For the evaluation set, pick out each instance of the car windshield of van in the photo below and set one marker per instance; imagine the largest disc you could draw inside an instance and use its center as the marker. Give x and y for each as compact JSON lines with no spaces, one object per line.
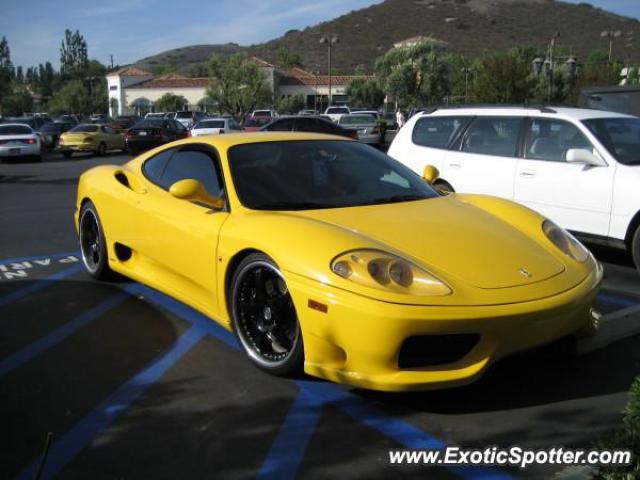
{"x":315,"y":174}
{"x":620,"y":136}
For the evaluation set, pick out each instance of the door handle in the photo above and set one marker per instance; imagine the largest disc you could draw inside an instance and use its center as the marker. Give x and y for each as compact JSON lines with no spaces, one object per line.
{"x":527,"y":173}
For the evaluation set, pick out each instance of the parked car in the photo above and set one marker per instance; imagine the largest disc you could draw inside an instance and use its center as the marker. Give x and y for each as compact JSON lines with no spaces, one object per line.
{"x":98,"y":118}
{"x":155,"y":115}
{"x":152,"y":132}
{"x":50,"y":133}
{"x":264,"y":113}
{"x":336,"y":112}
{"x":308,"y":112}
{"x":308,"y":124}
{"x":304,"y":236}
{"x":35,"y":122}
{"x":365,"y":125}
{"x":70,"y":118}
{"x":579,"y":167}
{"x":170,"y":115}
{"x":621,"y":99}
{"x":90,"y":137}
{"x":253,"y":124}
{"x":390,"y":120}
{"x":124,"y":122}
{"x":214,"y":126}
{"x":187,"y":118}
{"x":19,"y":140}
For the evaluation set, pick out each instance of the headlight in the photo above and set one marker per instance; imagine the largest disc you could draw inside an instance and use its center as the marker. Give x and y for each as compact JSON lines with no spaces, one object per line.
{"x":565,"y":241}
{"x":384,"y":271}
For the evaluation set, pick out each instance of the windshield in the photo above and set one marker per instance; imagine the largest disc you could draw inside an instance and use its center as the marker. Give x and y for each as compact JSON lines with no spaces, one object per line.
{"x":85,"y":128}
{"x":184,"y":115}
{"x":337,"y":110}
{"x":311,"y":174}
{"x":15,"y":130}
{"x":620,"y":136}
{"x":262,"y":113}
{"x":210,"y":124}
{"x":357,"y":120}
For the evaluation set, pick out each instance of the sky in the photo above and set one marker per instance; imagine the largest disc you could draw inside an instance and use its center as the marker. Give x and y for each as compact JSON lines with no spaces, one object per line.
{"x":133,"y":29}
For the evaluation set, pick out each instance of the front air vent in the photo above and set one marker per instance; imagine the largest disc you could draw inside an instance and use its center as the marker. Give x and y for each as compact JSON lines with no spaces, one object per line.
{"x":122,"y":178}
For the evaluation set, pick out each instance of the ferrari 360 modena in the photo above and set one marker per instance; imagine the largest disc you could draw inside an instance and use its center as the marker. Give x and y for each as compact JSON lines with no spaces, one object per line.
{"x":325,"y":255}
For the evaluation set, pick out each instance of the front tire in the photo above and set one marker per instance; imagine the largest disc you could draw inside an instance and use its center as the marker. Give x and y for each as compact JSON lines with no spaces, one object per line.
{"x":93,"y":245}
{"x":264,"y":317}
{"x":635,"y":248}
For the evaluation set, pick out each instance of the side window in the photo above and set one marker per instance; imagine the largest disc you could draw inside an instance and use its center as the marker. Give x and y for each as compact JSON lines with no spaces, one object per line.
{"x":109,"y":130}
{"x":285,"y":125}
{"x":549,"y":140}
{"x":437,"y":132}
{"x":178,"y":126}
{"x":154,"y":167}
{"x":497,"y":136}
{"x":233,"y":125}
{"x":305,"y":125}
{"x":194,"y":164}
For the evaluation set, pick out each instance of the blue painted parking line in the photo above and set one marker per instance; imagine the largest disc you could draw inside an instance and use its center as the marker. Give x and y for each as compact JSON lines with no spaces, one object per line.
{"x":39,"y":284}
{"x":290,"y":445}
{"x":59,"y":334}
{"x":616,"y":300}
{"x":82,"y":433}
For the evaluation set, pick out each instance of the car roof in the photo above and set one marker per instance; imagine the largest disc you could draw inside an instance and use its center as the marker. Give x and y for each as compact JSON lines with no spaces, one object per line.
{"x":542,"y":111}
{"x":15,"y":124}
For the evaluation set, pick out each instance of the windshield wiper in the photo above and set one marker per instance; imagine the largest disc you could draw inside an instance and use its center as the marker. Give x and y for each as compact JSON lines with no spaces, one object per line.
{"x":292,"y":206}
{"x":395,"y":199}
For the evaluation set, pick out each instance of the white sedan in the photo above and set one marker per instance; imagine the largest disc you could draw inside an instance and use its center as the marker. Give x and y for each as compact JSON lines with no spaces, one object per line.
{"x":19,"y":140}
{"x":214,"y":126}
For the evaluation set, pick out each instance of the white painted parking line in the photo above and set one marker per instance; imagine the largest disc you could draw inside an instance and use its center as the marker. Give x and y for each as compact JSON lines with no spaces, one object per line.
{"x":614,"y":327}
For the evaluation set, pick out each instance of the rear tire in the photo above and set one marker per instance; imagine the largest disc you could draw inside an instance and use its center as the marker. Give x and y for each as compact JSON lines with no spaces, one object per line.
{"x":635,"y":248}
{"x":264,"y":317}
{"x":93,"y":245}
{"x":102,"y":150}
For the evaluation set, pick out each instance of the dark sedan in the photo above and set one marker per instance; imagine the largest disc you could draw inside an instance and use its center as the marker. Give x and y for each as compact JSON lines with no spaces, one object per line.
{"x":152,"y":132}
{"x":308,"y":123}
{"x":50,"y":132}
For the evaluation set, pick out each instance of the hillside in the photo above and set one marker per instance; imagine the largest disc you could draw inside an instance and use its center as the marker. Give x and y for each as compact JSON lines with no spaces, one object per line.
{"x":470,"y":27}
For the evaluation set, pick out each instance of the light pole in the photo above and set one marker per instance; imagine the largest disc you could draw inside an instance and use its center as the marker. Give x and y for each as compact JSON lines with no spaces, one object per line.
{"x":610,"y":34}
{"x":330,"y":40}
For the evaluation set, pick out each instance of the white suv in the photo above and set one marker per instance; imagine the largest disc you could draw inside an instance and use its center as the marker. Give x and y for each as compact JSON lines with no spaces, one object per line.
{"x":579,"y":167}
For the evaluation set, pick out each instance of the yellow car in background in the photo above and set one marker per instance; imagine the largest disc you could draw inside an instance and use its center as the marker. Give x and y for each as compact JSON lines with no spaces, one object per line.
{"x":90,"y":137}
{"x":323,"y":253}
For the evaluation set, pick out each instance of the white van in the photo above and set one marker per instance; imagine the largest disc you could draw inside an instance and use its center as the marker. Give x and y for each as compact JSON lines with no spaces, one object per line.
{"x":579,"y":167}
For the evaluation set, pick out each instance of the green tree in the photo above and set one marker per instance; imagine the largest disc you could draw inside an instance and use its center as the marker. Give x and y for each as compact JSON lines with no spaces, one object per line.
{"x":6,"y":67}
{"x":237,"y":85}
{"x":18,"y":101}
{"x":502,"y":78}
{"x":74,"y":56}
{"x":417,"y":75}
{"x":291,"y":104}
{"x":365,"y":92}
{"x":285,"y":58}
{"x":170,"y":103}
{"x":74,"y":97}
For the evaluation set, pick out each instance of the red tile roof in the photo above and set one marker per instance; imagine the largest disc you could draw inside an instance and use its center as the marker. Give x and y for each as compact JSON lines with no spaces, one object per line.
{"x":131,"y":72}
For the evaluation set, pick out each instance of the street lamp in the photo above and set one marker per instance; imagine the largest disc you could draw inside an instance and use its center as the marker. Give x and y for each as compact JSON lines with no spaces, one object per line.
{"x":610,"y":34}
{"x":329,"y":40}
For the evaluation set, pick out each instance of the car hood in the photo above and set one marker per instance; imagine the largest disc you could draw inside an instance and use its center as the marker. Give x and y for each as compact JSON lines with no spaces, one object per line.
{"x":452,"y":238}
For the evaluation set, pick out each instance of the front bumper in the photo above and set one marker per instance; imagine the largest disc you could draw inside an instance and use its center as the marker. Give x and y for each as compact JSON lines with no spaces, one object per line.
{"x":358,"y":340}
{"x":23,"y":150}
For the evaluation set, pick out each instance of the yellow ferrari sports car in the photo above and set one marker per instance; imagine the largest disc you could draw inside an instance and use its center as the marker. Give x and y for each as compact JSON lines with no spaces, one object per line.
{"x":323,"y":253}
{"x":89,"y":137}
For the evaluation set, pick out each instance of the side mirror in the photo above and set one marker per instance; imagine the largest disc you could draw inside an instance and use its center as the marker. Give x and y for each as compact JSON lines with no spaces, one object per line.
{"x":583,"y":155}
{"x":430,"y":174}
{"x":194,"y":191}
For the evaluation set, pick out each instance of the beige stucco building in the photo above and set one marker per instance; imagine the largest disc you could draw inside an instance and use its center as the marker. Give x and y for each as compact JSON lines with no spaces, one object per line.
{"x":134,"y":91}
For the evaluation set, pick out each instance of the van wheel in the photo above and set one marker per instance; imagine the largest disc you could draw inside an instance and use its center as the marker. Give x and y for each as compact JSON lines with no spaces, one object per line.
{"x":635,"y":248}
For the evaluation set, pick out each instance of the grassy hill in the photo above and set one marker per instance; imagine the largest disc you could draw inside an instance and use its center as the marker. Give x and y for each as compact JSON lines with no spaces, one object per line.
{"x":470,"y":27}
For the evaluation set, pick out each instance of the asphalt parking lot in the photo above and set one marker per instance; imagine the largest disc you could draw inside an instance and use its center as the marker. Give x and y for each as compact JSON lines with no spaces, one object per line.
{"x":132,"y":384}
